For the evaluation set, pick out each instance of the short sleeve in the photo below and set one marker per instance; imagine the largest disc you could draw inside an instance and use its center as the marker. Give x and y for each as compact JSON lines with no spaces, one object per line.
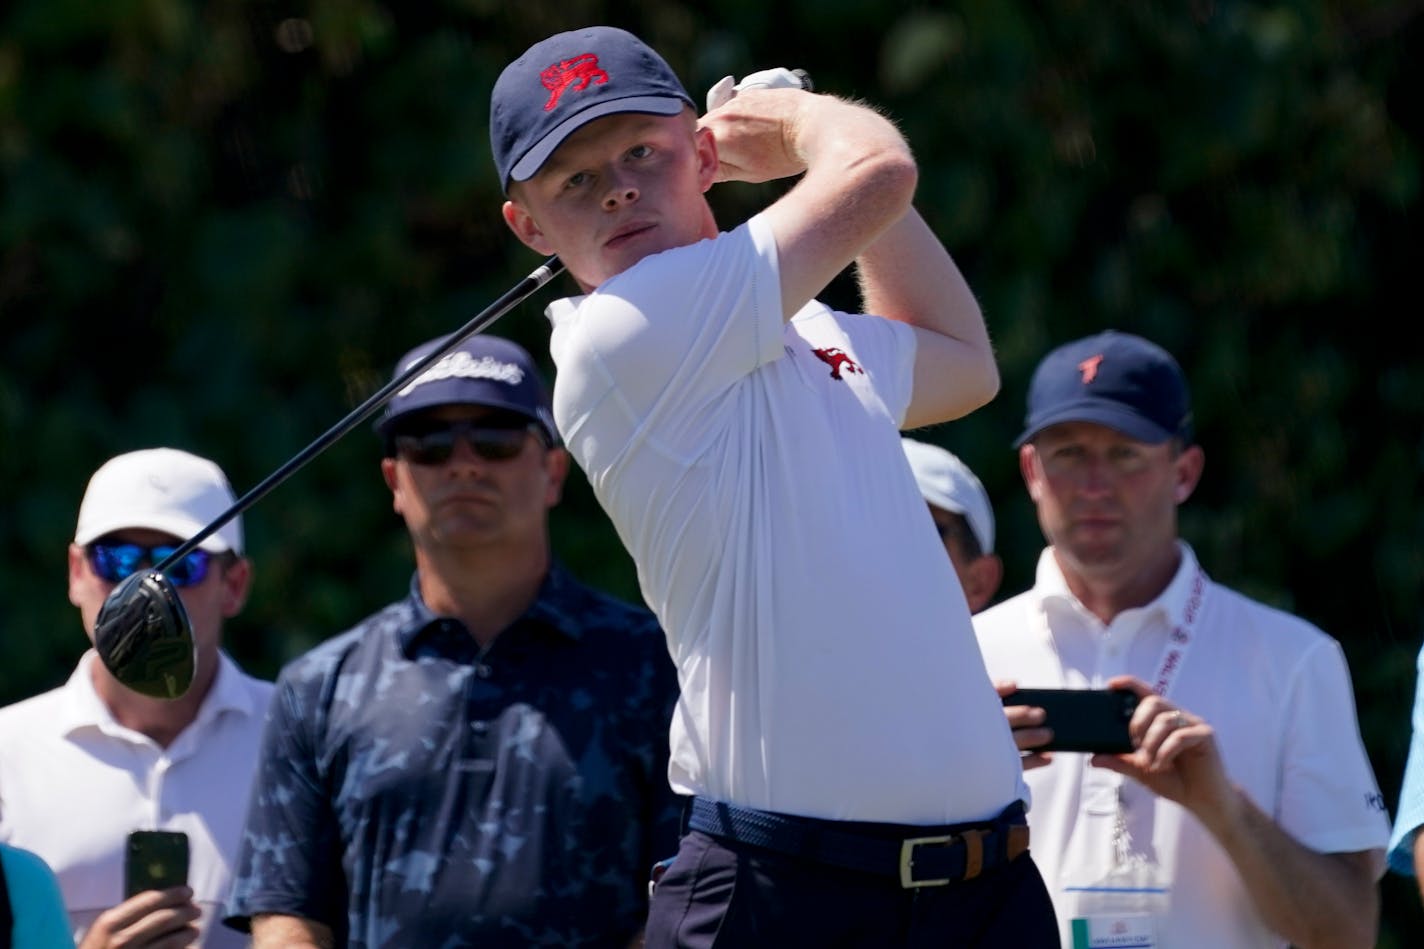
{"x":886,"y":349}
{"x":668,"y":338}
{"x":289,"y":862}
{"x":1329,"y":798}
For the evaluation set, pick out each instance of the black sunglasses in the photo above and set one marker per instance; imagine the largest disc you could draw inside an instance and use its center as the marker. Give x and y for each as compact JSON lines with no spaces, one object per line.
{"x":115,"y":561}
{"x":435,"y":445}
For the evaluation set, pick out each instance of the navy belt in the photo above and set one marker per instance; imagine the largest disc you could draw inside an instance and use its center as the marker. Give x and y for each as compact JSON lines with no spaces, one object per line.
{"x":916,"y":856}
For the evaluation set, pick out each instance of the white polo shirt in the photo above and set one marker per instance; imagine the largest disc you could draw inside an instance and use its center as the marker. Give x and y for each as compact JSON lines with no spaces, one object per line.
{"x":1275,"y":689}
{"x":74,"y":782}
{"x":753,"y":469}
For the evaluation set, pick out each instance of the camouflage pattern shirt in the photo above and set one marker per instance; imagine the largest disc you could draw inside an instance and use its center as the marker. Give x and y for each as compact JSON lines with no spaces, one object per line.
{"x":415,"y":791}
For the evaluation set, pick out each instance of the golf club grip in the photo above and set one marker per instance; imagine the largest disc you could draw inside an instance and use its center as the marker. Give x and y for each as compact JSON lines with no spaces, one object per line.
{"x":486,"y":318}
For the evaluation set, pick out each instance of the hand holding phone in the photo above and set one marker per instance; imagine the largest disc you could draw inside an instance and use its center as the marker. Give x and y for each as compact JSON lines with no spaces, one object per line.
{"x":1087,"y":720}
{"x":155,"y":860}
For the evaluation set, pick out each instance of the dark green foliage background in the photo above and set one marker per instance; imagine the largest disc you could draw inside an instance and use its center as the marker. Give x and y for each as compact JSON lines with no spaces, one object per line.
{"x":222,"y":221}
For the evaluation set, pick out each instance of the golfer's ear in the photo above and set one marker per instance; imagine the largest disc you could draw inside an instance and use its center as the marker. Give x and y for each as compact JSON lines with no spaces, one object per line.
{"x":522,"y":223}
{"x":707,"y":163}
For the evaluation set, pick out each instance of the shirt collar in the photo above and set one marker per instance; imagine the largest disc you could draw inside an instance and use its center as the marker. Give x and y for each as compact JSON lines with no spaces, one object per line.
{"x":229,"y":692}
{"x":548,"y":610}
{"x":1051,"y":588}
{"x":83,"y":708}
{"x":1175,"y":599}
{"x":563,"y":309}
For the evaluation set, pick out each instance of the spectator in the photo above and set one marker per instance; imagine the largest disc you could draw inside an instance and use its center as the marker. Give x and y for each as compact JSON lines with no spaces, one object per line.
{"x":744,"y":440}
{"x":483,"y":762}
{"x":32,"y":912}
{"x":963,"y":518}
{"x":90,"y":761}
{"x":1406,"y":844}
{"x":1249,"y":804}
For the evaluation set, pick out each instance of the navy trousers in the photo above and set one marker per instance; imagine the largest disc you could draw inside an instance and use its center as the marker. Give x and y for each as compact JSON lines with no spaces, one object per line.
{"x":731,"y":896}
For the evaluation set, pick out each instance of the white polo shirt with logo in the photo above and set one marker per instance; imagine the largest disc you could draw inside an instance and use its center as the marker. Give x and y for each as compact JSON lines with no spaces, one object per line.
{"x":1276,"y":691}
{"x":753,"y":469}
{"x":74,"y":782}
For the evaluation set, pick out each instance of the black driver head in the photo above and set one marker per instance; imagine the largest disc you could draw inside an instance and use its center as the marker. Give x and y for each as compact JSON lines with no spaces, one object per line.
{"x":143,"y":636}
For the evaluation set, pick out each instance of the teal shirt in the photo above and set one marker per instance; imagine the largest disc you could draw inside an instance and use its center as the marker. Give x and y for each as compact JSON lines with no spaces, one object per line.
{"x":40,"y":918}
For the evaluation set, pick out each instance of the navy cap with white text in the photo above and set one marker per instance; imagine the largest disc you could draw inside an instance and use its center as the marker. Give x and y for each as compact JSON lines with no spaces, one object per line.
{"x":483,"y":370}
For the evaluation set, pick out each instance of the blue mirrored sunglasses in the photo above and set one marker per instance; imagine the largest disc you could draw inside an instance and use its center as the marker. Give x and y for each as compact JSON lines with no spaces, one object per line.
{"x":114,"y":561}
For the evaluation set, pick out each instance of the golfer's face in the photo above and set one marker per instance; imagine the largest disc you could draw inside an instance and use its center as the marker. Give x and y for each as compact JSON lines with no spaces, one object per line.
{"x":617,"y":190}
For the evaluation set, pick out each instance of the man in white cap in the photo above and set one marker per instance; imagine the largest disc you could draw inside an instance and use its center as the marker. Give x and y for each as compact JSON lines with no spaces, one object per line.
{"x":963,"y":518}
{"x":89,"y":762}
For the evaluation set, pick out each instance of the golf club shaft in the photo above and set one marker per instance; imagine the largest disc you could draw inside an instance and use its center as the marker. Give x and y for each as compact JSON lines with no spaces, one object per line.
{"x":482,"y":321}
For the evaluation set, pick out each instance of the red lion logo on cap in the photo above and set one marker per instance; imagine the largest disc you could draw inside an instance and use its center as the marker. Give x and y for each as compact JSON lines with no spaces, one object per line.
{"x":1089,"y":368}
{"x":576,"y":74}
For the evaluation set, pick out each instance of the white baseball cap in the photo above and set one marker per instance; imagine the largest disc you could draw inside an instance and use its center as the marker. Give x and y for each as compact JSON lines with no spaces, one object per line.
{"x":947,"y":482}
{"x":161,"y":489}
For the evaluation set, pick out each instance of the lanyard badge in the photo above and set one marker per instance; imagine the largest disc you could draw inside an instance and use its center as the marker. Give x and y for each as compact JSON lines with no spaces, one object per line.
{"x":1123,"y":908}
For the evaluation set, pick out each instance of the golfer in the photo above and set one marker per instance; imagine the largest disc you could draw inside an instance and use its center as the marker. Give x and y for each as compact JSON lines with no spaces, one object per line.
{"x":853,"y":777}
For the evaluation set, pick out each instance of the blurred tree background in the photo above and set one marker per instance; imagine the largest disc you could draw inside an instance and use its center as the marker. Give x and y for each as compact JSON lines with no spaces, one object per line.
{"x":223,"y":220}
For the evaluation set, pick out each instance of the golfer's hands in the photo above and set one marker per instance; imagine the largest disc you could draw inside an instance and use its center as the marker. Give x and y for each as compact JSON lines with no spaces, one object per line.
{"x":753,"y":122}
{"x":779,"y":77}
{"x":1176,"y":755}
{"x":1030,"y":732}
{"x":153,"y":919}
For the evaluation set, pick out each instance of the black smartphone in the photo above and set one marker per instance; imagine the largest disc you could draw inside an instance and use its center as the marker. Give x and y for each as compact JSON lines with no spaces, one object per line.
{"x":1093,"y":720}
{"x":155,"y":860}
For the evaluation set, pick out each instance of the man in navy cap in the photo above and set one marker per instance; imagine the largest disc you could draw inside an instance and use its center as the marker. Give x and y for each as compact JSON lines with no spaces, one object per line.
{"x":483,"y":762}
{"x":1247,"y":815}
{"x":854,"y":781}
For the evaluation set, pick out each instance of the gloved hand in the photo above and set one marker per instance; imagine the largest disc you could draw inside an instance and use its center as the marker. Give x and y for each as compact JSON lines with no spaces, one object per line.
{"x":778,"y":78}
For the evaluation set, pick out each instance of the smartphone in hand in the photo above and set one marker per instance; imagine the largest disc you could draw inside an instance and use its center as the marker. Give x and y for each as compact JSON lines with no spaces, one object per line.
{"x":155,"y":860}
{"x":1090,"y":720}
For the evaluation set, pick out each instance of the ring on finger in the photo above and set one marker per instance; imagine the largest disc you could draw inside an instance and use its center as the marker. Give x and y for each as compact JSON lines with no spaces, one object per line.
{"x":1179,"y":720}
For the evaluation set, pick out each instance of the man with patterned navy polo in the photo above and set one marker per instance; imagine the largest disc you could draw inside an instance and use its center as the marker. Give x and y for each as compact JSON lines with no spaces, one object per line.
{"x":485,"y":761}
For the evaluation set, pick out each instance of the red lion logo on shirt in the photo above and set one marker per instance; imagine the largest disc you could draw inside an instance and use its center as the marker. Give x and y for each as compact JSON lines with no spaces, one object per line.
{"x":575,"y":74}
{"x":837,"y":359}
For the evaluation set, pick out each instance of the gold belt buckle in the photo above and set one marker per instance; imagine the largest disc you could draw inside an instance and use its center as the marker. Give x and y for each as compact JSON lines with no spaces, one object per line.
{"x":973,"y":857}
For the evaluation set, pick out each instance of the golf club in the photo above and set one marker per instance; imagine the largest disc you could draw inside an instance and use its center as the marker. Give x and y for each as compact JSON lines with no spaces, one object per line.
{"x":142,"y":633}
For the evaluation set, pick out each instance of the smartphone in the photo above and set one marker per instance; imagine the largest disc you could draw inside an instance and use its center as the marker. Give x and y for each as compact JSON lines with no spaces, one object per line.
{"x":155,"y":860}
{"x":1092,"y":720}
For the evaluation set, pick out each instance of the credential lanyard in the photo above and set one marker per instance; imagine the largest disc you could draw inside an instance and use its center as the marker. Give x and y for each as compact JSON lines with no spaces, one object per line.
{"x":1181,"y":636}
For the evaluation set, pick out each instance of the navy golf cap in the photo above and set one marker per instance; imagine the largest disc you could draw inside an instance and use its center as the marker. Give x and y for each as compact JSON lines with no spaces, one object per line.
{"x":1123,"y":381}
{"x":566,"y":81}
{"x":483,"y":370}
